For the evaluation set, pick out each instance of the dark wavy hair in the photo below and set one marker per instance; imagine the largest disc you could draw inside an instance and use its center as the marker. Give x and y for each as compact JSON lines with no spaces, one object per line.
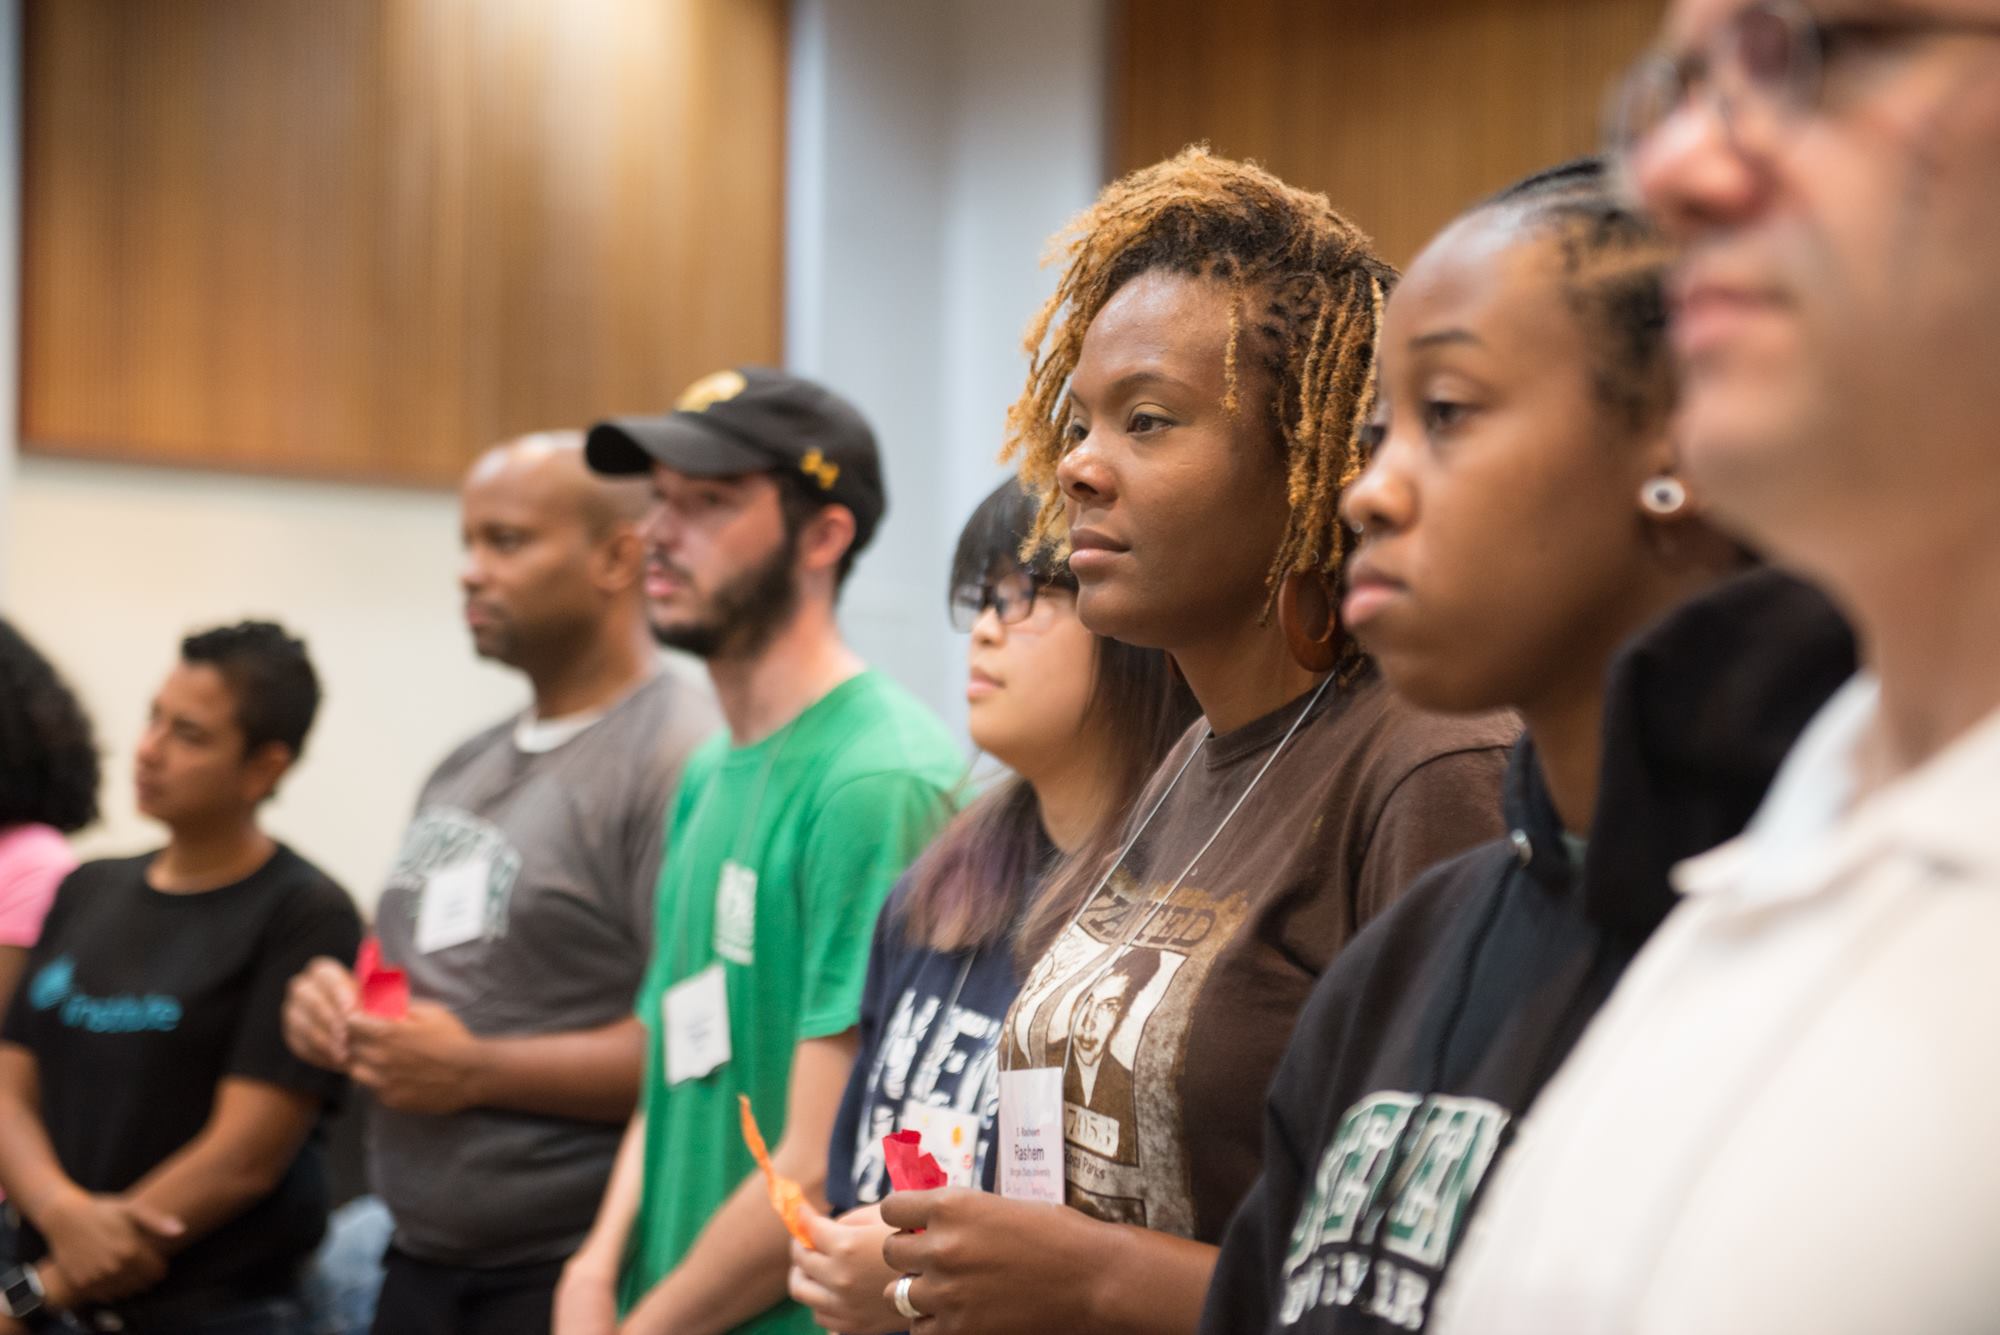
{"x":970,"y":886}
{"x":48,"y":752}
{"x":269,"y":673}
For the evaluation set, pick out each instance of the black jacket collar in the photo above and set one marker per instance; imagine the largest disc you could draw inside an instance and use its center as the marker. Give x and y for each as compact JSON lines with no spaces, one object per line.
{"x":1699,"y":711}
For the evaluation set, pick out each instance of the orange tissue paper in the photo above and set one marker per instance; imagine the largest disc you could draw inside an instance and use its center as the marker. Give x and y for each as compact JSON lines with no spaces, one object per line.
{"x":786,"y":1197}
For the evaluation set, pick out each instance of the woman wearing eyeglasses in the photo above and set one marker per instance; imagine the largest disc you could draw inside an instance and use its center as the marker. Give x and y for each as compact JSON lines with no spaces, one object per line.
{"x":1081,"y":721}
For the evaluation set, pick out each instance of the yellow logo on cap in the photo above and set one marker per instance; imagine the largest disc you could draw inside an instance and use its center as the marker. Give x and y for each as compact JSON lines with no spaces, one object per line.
{"x":715,"y":387}
{"x":816,"y":466}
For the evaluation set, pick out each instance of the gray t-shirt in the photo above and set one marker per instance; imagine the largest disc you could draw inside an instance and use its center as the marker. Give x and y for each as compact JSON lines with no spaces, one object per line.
{"x":561,"y":850}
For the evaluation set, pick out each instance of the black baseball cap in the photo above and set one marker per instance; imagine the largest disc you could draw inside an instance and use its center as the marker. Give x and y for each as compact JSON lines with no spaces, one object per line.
{"x":752,"y":419}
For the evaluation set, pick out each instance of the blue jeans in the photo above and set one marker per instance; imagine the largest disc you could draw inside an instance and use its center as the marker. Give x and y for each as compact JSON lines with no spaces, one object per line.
{"x":346,"y":1276}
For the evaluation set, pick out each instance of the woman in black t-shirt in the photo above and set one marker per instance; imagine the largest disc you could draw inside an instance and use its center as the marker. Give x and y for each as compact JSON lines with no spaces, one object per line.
{"x":156,"y":1137}
{"x":1082,"y":721}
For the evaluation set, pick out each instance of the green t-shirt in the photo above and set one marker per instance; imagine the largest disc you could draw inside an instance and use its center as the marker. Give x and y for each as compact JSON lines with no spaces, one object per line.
{"x":826,"y":812}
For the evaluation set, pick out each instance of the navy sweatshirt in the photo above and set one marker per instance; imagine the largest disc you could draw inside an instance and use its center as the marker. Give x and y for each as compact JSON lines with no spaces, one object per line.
{"x":1437,"y":1027}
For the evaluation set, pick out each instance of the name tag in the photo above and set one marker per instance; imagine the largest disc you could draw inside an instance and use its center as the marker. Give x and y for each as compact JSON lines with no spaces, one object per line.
{"x":695,"y":1029}
{"x":453,"y":909}
{"x":950,"y":1136}
{"x":1031,"y":1135}
{"x":736,"y":914}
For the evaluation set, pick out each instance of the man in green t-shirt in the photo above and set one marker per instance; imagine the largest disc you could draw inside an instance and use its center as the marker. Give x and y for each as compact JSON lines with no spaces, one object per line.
{"x":787,"y":833}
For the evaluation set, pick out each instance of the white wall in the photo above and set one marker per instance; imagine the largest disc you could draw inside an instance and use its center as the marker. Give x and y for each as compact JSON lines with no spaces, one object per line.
{"x":935,"y":145}
{"x":109,"y":565}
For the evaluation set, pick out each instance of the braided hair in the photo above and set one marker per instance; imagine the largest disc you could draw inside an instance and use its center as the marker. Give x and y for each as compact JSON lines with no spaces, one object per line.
{"x":1614,"y":261}
{"x":1309,"y":287}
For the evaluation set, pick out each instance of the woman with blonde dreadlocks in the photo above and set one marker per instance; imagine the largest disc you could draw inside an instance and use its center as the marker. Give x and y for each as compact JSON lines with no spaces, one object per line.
{"x":1199,"y":385}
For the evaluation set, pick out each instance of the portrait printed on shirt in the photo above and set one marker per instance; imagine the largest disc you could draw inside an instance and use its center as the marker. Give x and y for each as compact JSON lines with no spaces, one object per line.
{"x":1116,"y":1019}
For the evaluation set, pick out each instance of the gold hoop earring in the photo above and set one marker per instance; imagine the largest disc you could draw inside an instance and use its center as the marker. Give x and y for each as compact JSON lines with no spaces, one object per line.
{"x":1310,"y":620}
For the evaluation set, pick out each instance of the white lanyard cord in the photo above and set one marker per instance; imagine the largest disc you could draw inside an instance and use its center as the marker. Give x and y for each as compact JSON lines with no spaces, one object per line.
{"x":1160,"y":900}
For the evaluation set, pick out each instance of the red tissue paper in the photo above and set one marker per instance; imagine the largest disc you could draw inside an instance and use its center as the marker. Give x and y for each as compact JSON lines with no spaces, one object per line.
{"x":910,"y":1169}
{"x":385,"y":990}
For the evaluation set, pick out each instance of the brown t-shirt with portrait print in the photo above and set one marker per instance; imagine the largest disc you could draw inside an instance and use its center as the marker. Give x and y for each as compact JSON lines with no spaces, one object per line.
{"x":1168,"y":1047}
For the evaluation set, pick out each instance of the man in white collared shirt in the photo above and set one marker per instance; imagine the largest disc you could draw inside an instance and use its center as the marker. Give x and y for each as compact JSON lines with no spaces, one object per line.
{"x":1783,"y":1119}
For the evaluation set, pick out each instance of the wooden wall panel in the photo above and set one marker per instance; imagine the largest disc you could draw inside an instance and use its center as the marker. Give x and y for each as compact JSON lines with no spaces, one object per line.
{"x":1402,"y":111}
{"x":361,"y":238}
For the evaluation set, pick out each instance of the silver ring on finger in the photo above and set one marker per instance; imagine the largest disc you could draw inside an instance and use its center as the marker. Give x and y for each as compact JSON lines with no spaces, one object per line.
{"x":901,"y":1297}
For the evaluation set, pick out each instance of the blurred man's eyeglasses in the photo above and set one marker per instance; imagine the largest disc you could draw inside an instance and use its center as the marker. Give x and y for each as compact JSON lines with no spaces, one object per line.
{"x":1011,"y":597}
{"x":1762,"y":71}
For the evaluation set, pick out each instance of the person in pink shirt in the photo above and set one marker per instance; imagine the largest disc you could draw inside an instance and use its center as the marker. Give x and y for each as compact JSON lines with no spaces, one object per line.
{"x":48,"y":788}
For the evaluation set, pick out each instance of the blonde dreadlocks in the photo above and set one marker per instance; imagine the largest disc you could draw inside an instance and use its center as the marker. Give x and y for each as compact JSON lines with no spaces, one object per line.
{"x":1307,"y":279}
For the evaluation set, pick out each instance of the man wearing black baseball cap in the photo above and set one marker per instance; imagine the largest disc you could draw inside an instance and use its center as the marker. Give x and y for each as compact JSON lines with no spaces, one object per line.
{"x":787,"y":835}
{"x":753,"y":420}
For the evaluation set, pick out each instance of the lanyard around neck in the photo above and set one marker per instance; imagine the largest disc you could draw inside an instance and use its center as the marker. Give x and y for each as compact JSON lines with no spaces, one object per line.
{"x":1161,"y":899}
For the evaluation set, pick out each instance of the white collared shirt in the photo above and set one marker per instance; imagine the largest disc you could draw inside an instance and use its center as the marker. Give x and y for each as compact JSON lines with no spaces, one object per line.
{"x":1787,"y":1116}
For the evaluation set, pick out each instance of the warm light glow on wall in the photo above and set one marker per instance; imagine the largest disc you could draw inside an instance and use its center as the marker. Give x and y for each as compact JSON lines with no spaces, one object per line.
{"x":1402,"y":111}
{"x":360,"y":238}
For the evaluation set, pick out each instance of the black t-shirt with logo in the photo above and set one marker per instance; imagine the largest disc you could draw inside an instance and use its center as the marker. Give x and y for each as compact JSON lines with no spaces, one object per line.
{"x":136,"y":1003}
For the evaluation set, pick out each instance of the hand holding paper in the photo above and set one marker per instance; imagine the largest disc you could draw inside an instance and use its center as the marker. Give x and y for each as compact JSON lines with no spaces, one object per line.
{"x":910,"y":1169}
{"x":381,"y":989}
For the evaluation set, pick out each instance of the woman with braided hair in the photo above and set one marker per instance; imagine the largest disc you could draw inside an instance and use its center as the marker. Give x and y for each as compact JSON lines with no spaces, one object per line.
{"x":1526,"y":391}
{"x":1198,"y":387}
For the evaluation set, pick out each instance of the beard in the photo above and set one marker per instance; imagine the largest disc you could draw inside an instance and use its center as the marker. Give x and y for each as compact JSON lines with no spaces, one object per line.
{"x":744,"y":613}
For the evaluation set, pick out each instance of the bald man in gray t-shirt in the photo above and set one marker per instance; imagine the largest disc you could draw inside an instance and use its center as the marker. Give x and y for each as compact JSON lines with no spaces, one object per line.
{"x":548,"y":847}
{"x":521,"y":908}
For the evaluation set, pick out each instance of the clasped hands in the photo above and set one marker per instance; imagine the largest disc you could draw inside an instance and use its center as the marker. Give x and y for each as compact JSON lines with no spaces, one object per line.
{"x":424,"y":1062}
{"x":103,"y":1248}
